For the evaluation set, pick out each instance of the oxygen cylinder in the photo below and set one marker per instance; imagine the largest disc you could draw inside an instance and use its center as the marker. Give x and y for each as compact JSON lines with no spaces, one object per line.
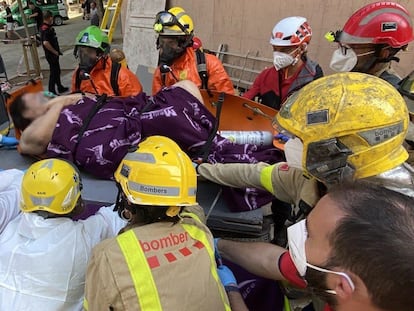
{"x":260,"y":138}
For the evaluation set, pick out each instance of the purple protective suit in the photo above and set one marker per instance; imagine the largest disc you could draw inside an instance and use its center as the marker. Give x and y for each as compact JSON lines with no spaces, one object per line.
{"x":123,"y":122}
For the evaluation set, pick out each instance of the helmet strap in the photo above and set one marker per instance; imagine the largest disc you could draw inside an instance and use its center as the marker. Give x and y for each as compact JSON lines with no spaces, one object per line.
{"x":377,"y":59}
{"x":389,"y":59}
{"x":173,"y":211}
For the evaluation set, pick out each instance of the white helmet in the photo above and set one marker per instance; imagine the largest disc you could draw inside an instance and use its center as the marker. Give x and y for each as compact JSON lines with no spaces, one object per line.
{"x":291,"y":31}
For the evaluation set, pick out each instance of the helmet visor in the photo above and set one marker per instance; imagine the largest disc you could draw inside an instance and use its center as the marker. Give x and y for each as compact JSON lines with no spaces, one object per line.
{"x":327,"y":160}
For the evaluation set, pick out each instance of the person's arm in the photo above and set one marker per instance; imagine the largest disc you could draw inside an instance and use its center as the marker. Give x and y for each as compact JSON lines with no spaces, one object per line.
{"x":236,"y":175}
{"x":218,"y":79}
{"x":38,"y":134}
{"x":46,"y":35}
{"x":255,"y":89}
{"x":128,"y":83}
{"x":236,"y":302}
{"x":73,"y":81}
{"x":229,"y":282}
{"x":50,"y":48}
{"x":8,"y":12}
{"x":261,"y":259}
{"x":35,"y":14}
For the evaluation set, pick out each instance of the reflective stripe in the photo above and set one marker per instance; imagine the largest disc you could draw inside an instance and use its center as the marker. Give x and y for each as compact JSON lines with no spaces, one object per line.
{"x":199,"y":235}
{"x":155,"y":190}
{"x":85,"y":304}
{"x":140,"y":272}
{"x":140,"y":157}
{"x":286,"y":304}
{"x":266,"y":178}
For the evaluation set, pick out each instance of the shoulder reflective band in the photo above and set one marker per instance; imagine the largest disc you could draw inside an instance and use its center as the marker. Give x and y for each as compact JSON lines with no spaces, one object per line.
{"x":85,"y":304}
{"x":266,"y":178}
{"x":199,"y":235}
{"x":286,"y":303}
{"x":140,"y":271}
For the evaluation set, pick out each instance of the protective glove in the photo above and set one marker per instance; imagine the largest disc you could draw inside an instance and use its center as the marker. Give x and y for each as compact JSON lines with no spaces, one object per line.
{"x":8,"y":141}
{"x":217,"y":253}
{"x":282,"y":137}
{"x":227,"y":277}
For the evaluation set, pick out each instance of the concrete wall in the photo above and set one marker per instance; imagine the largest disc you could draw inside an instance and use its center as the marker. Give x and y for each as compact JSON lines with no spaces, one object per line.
{"x":245,"y":25}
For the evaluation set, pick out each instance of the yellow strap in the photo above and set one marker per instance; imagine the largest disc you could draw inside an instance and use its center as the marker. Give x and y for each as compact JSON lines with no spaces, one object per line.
{"x":266,"y":178}
{"x":140,"y":272}
{"x":85,"y":304}
{"x":286,"y":304}
{"x":199,"y":235}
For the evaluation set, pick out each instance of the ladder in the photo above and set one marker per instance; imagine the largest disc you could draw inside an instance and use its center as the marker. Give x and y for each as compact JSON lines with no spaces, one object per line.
{"x":113,"y":9}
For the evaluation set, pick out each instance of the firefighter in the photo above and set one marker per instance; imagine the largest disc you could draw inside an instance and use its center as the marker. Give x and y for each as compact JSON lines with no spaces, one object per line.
{"x":96,"y":73}
{"x":166,"y":251}
{"x":179,"y":61}
{"x":371,"y":39}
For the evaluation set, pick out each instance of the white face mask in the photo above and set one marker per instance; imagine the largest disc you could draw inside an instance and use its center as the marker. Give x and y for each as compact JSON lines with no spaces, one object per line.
{"x":297,"y":235}
{"x":341,"y":62}
{"x":294,"y":152}
{"x":283,"y":60}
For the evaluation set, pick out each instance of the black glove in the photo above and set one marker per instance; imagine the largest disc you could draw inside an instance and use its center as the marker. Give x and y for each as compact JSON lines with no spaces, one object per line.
{"x":60,"y":53}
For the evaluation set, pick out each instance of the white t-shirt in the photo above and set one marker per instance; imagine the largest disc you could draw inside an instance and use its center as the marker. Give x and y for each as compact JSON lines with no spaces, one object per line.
{"x":43,"y":261}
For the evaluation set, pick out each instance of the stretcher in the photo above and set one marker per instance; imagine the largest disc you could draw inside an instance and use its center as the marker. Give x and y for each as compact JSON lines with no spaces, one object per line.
{"x":249,"y":225}
{"x":103,"y":192}
{"x":241,"y":114}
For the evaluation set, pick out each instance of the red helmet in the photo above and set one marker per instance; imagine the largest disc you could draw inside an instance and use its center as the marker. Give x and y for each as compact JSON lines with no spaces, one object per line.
{"x":379,"y":23}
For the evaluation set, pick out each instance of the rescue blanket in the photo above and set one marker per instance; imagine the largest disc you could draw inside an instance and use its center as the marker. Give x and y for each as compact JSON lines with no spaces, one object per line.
{"x":123,"y":122}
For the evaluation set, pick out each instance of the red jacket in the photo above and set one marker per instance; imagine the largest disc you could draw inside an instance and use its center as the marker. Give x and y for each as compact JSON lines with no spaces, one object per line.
{"x":185,"y":68}
{"x":272,"y":93}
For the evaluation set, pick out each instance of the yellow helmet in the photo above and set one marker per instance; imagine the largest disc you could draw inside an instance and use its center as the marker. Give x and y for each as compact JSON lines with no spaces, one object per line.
{"x":351,"y":125}
{"x":51,"y":185}
{"x":174,"y":22}
{"x":158,"y":173}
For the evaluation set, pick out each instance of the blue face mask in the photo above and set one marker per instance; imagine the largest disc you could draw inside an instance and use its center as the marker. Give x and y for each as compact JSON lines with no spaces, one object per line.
{"x":297,"y":235}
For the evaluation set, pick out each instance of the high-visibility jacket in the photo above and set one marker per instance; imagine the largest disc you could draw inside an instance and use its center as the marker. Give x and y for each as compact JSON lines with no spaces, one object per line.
{"x":159,"y":266}
{"x":185,"y":68}
{"x":128,"y":83}
{"x":288,"y":184}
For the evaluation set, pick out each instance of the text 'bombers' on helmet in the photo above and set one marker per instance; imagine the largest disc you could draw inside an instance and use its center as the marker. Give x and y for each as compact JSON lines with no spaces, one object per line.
{"x":364,"y":115}
{"x":379,"y":23}
{"x":291,"y":31}
{"x":51,"y":185}
{"x":158,"y":173}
